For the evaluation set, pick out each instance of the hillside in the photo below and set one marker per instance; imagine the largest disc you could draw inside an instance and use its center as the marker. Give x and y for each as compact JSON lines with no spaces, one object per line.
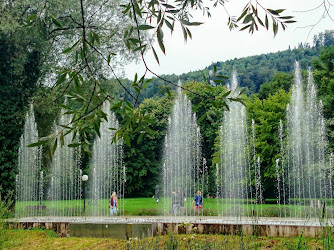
{"x":253,"y":71}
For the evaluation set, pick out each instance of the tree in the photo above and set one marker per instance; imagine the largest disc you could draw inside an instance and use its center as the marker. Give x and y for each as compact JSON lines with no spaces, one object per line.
{"x":267,"y":113}
{"x":209,"y":118}
{"x":324,"y":79}
{"x":78,"y":42}
{"x":281,"y":80}
{"x":90,"y":38}
{"x":19,"y":71}
{"x":143,"y":159}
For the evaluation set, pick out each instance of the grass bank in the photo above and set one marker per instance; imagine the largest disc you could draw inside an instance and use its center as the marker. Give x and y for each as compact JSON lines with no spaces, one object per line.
{"x":43,"y":239}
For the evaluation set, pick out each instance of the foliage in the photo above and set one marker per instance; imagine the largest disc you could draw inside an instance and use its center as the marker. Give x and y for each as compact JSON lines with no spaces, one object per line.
{"x":209,"y":116}
{"x":75,"y":48}
{"x":324,"y":79}
{"x":253,"y":71}
{"x":324,"y":39}
{"x":93,"y":36}
{"x":20,"y":70}
{"x":281,"y":80}
{"x":267,"y":113}
{"x":143,"y":159}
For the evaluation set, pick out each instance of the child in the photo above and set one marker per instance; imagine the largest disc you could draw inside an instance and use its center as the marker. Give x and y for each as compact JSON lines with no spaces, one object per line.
{"x":198,"y":200}
{"x":113,"y":205}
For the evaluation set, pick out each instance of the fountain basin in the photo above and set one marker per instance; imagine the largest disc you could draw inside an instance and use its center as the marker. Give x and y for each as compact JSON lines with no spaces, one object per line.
{"x":141,"y":227}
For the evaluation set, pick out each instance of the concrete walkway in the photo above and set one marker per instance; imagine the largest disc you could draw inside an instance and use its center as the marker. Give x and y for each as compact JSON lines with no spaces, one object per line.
{"x":182,"y":219}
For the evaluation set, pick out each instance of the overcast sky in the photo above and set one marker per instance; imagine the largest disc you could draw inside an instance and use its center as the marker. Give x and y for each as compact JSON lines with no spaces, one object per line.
{"x":212,"y":41}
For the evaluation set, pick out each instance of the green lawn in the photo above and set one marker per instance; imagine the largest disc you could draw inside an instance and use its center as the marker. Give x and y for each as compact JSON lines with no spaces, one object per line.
{"x":149,"y":206}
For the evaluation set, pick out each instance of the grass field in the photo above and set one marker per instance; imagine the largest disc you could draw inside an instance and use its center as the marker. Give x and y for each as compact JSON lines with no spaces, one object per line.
{"x":149,"y":206}
{"x":43,"y":239}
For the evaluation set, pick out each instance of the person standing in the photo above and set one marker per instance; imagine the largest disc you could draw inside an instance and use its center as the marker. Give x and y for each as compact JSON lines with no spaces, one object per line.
{"x":198,"y":200}
{"x":177,"y":201}
{"x":157,"y":193}
{"x":113,"y":205}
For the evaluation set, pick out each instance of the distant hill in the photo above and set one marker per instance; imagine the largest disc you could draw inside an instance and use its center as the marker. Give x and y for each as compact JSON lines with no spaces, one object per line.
{"x":253,"y":71}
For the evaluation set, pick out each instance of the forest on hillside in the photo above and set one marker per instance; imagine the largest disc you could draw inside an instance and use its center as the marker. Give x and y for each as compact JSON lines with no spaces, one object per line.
{"x":268,"y":80}
{"x":253,"y":71}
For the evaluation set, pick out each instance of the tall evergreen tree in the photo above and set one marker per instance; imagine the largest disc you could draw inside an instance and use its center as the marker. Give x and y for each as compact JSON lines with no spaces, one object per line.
{"x":19,"y":72}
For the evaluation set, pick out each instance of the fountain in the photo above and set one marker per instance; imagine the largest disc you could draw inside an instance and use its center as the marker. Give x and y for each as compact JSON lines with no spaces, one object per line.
{"x":183,"y":166}
{"x":303,"y":174}
{"x":64,"y":193}
{"x":309,"y":179}
{"x":29,"y":181}
{"x":234,"y":169}
{"x":107,"y":170}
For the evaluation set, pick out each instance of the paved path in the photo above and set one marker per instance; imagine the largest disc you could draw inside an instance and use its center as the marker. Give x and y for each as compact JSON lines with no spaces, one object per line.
{"x":180,"y":219}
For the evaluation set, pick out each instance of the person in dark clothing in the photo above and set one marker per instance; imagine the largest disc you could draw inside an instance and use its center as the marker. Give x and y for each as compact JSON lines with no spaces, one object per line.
{"x":177,"y":201}
{"x":157,"y":193}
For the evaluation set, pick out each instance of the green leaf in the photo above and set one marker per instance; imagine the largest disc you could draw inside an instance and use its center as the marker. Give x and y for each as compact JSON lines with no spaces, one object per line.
{"x":62,"y":141}
{"x":267,"y":22}
{"x":136,"y":7}
{"x":185,"y":22}
{"x":32,"y":17}
{"x":168,"y":6}
{"x":209,"y":118}
{"x":127,"y":139}
{"x":248,"y":18}
{"x":275,"y":28}
{"x":260,"y":21}
{"x":189,"y":33}
{"x":108,"y":59}
{"x":104,"y":116}
{"x":140,"y":137}
{"x":144,"y":27}
{"x":242,"y":14}
{"x":226,"y":94}
{"x":245,"y":27}
{"x":150,"y":131}
{"x":129,"y":104}
{"x":274,"y":12}
{"x":168,"y":92}
{"x":242,"y":90}
{"x":56,"y":22}
{"x":68,"y":50}
{"x":160,"y":40}
{"x":136,"y":78}
{"x":36,"y":144}
{"x":285,"y":17}
{"x":201,"y":118}
{"x":222,"y":77}
{"x":117,"y":105}
{"x":280,"y":10}
{"x":97,"y":129}
{"x":155,"y":55}
{"x":185,"y":35}
{"x":73,"y":145}
{"x":169,"y":25}
{"x":140,"y":48}
{"x":54,"y":146}
{"x":197,"y":107}
{"x":61,"y":79}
